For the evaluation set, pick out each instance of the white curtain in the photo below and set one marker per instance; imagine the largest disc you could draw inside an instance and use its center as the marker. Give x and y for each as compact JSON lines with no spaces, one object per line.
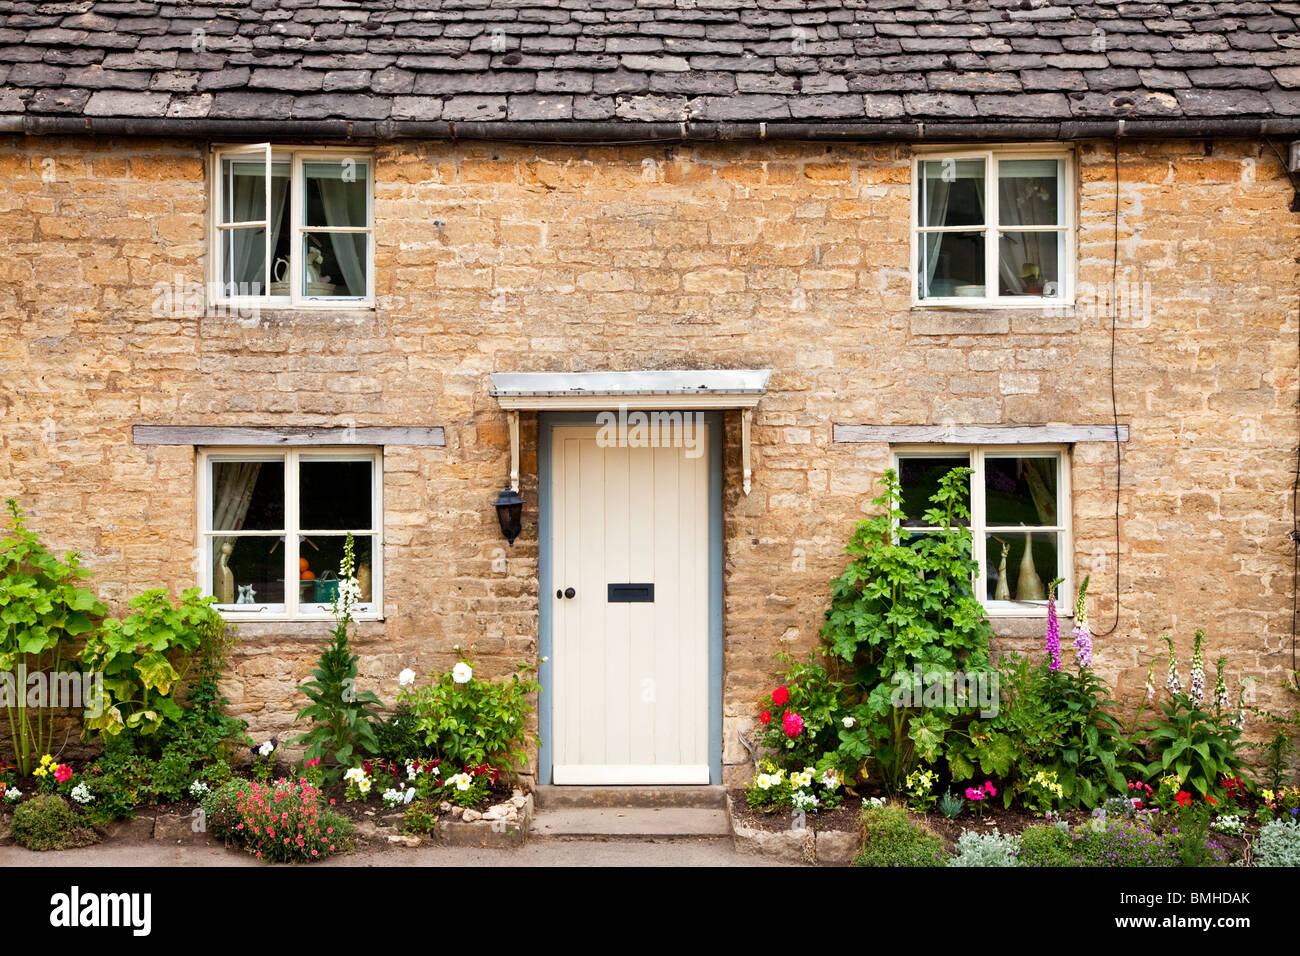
{"x":344,"y":205}
{"x":936,"y":191}
{"x":232,"y":494}
{"x":1022,"y":202}
{"x":245,"y":194}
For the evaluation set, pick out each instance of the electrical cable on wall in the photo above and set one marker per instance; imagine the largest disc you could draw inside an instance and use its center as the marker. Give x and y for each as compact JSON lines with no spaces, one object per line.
{"x":1295,"y":486}
{"x":1114,"y":404}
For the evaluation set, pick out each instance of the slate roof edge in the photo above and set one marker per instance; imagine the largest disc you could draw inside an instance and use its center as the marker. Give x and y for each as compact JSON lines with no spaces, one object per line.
{"x":624,"y":132}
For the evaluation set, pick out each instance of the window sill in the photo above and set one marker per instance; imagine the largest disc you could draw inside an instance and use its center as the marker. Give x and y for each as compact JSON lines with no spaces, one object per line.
{"x":990,"y":319}
{"x":280,"y":623}
{"x":258,"y":311}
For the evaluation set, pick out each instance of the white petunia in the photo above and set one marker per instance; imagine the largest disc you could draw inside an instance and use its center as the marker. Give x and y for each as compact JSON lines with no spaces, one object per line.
{"x":802,"y":779}
{"x":463,"y":781}
{"x":266,"y":749}
{"x":406,"y":678}
{"x":461,"y":673}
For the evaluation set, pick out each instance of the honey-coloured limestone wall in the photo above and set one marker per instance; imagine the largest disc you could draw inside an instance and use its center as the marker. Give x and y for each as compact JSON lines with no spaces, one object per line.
{"x":792,"y":257}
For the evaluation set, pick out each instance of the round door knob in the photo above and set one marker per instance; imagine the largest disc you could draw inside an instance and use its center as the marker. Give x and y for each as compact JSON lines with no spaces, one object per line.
{"x":569,"y":592}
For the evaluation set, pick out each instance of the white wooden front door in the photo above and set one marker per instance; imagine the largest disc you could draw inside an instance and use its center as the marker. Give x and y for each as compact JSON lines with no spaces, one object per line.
{"x":631,"y":679}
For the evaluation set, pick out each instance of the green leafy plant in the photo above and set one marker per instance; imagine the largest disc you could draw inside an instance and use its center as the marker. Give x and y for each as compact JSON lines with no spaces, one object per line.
{"x":1197,"y":740}
{"x":47,"y":822}
{"x":342,"y":717}
{"x":1046,"y":846}
{"x":221,"y":807}
{"x":1122,"y":843}
{"x":468,"y":722}
{"x":891,"y":838}
{"x":802,"y":721}
{"x":43,"y":610}
{"x":985,"y":849}
{"x":1191,"y":837}
{"x":904,"y":604}
{"x":421,"y":817}
{"x":139,"y":656}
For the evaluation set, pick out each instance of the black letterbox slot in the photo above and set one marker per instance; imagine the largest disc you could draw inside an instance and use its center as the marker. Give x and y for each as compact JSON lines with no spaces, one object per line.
{"x":631,"y":593}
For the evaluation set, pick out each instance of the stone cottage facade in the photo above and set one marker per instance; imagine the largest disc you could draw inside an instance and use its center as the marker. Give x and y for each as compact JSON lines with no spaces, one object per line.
{"x":756,"y":195}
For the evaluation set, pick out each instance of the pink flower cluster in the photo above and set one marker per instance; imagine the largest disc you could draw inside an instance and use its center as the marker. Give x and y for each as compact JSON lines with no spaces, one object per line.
{"x":281,"y":821}
{"x":979,"y":793}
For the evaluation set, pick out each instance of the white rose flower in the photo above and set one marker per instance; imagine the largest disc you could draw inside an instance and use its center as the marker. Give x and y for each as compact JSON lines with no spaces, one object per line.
{"x":406,"y":678}
{"x":461,"y":673}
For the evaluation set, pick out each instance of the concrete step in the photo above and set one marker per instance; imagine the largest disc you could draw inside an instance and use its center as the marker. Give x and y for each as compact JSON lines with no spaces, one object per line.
{"x":704,"y":798}
{"x":662,"y":823}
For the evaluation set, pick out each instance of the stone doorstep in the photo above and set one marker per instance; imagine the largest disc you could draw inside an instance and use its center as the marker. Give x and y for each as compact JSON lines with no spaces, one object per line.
{"x":658,"y":822}
{"x":808,"y":845}
{"x":553,"y":797}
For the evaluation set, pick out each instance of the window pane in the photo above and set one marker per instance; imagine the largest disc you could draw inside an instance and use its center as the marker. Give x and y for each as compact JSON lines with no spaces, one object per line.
{"x":1020,"y":491}
{"x":335,"y":495}
{"x":247,"y":570}
{"x":334,"y":193}
{"x":919,"y":478}
{"x":952,"y":192}
{"x":1028,"y":192}
{"x":243,"y":261}
{"x":1029,"y":263}
{"x":950,"y":264}
{"x":248,"y":495}
{"x":1010,"y":576}
{"x":243,"y":190}
{"x":335,"y":264}
{"x":319,"y":559}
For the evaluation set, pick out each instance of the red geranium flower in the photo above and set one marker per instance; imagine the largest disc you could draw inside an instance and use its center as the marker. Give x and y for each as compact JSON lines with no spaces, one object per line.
{"x":780,"y":697}
{"x":765,"y":717}
{"x":1183,"y":798}
{"x":792,"y":724}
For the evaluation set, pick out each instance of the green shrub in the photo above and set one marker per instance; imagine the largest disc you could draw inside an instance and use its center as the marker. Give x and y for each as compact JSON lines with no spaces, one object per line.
{"x":398,"y":738}
{"x":47,"y":822}
{"x":42,"y":611}
{"x":1122,"y":843}
{"x":1278,"y":844}
{"x":421,"y":817}
{"x":902,"y":605}
{"x":221,"y":807}
{"x":138,"y":656}
{"x":891,"y":838}
{"x":1046,"y":846}
{"x":471,"y":722}
{"x":985,"y":849}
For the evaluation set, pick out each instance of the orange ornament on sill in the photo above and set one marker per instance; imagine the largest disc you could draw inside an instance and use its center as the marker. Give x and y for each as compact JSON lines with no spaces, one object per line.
{"x":303,"y":565}
{"x":307,"y":575}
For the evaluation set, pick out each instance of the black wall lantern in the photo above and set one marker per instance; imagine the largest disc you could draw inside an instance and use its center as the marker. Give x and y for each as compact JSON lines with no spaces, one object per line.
{"x":510,"y":510}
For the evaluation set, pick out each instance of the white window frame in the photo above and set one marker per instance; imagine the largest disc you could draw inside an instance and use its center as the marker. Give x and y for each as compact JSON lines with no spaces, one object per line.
{"x":992,"y":229}
{"x":293,"y":609}
{"x":979,"y":525}
{"x":296,"y":156}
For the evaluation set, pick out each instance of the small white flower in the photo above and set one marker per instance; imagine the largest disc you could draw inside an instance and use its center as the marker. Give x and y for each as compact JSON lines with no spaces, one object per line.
{"x":848,"y":722}
{"x":406,"y":678}
{"x":13,"y":794}
{"x":803,"y":779}
{"x":411,"y":770}
{"x":463,"y":781}
{"x":461,"y":673}
{"x":266,"y":749}
{"x":198,"y":789}
{"x":764,"y":781}
{"x":392,"y":798}
{"x":81,"y":793}
{"x":831,"y":779}
{"x":545,"y":659}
